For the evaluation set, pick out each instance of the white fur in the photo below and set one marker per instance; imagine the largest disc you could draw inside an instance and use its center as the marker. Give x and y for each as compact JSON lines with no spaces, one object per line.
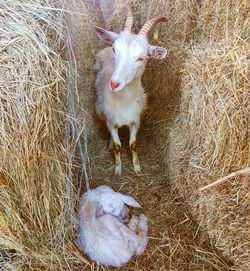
{"x":102,"y":234}
{"x":121,"y":108}
{"x":120,"y":96}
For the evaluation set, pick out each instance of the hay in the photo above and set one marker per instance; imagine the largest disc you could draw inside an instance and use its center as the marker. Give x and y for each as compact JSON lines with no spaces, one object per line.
{"x":43,"y":125}
{"x":215,"y":112}
{"x":34,"y":182}
{"x":209,"y":139}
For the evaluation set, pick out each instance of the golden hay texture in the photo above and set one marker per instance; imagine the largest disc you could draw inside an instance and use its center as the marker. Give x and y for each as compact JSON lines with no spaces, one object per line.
{"x":41,"y":125}
{"x":34,"y":210}
{"x":210,"y":140}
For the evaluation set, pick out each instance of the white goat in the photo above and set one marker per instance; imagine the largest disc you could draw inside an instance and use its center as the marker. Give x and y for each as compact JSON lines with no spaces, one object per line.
{"x":104,"y":234}
{"x":120,"y":96}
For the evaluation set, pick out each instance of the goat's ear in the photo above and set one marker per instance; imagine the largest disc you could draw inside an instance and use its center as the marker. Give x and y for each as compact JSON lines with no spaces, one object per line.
{"x":157,"y":52}
{"x":128,"y":200}
{"x":108,"y":36}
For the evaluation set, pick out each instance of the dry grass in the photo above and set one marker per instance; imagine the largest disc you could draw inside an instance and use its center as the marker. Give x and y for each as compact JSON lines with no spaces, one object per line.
{"x":215,"y":111}
{"x":34,"y":220}
{"x":40,"y":128}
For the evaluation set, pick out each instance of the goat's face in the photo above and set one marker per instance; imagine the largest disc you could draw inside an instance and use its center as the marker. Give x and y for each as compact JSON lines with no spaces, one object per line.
{"x":114,"y":203}
{"x":130,"y":55}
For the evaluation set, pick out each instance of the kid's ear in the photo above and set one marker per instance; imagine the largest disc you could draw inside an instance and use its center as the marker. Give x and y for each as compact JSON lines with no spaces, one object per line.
{"x":157,"y":52}
{"x":107,"y":36}
{"x":128,"y":200}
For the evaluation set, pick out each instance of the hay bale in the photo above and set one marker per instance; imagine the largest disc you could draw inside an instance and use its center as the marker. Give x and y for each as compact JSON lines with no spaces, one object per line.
{"x":210,"y":139}
{"x":34,"y":182}
{"x":222,"y":20}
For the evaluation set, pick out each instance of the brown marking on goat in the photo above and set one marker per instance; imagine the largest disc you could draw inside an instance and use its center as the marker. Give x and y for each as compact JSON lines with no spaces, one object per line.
{"x":133,"y":146}
{"x":117,"y":148}
{"x":127,"y":218}
{"x":117,"y":152}
{"x":102,"y":116}
{"x":138,"y":231}
{"x":135,"y":158}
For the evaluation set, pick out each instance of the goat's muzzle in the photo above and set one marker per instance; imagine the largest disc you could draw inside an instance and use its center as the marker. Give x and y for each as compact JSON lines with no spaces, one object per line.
{"x":114,"y":85}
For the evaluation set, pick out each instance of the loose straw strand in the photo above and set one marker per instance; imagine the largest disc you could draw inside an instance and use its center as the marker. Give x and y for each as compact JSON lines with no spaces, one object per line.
{"x":233,"y":174}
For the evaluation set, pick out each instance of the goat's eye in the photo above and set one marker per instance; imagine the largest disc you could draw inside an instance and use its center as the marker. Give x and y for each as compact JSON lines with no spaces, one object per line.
{"x":140,"y":59}
{"x":113,"y":49}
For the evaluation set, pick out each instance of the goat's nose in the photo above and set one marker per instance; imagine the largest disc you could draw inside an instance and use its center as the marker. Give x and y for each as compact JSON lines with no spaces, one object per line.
{"x":114,"y":85}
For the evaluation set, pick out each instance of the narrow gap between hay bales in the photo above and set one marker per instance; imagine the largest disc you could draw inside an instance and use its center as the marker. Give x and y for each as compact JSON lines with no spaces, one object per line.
{"x":175,"y":240}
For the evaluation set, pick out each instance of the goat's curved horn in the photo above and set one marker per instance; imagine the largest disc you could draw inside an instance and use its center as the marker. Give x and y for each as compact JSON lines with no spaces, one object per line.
{"x":129,"y":21}
{"x":150,"y":24}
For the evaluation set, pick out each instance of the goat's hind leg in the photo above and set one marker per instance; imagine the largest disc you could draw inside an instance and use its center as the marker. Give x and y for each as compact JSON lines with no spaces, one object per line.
{"x":116,"y":147}
{"x":111,"y":144}
{"x":138,"y":236}
{"x":133,"y":129}
{"x":143,"y":233}
{"x":133,"y":223}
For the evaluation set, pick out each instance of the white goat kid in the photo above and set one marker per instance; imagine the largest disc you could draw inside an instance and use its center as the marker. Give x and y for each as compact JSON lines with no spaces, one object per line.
{"x":120,"y":96}
{"x":104,"y":234}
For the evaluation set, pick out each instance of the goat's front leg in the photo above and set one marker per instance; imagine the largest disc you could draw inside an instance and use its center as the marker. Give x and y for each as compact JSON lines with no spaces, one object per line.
{"x":132,"y":143}
{"x":116,"y":147}
{"x":111,"y":144}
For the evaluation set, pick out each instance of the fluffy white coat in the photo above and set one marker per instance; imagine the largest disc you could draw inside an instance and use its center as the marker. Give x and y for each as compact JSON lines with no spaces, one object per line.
{"x":102,"y":235}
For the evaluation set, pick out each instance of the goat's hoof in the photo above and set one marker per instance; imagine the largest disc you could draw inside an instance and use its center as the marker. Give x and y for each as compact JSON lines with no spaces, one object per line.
{"x":137,"y":168}
{"x":118,"y":169}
